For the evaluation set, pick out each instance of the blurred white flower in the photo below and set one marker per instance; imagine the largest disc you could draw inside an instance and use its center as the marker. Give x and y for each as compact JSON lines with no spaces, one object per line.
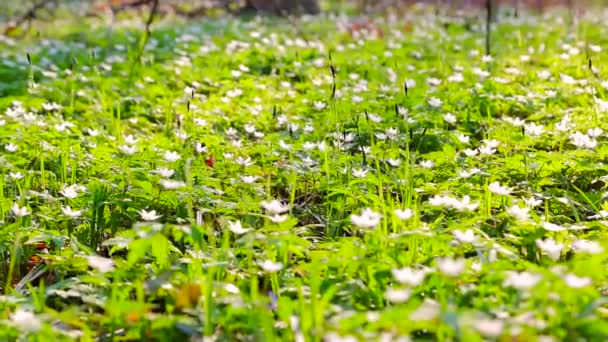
{"x":404,"y":214}
{"x":532,"y":202}
{"x":427,"y":164}
{"x":576,"y":282}
{"x":67,"y":211}
{"x":587,"y":246}
{"x":522,"y":280}
{"x":450,"y":118}
{"x":498,"y":189}
{"x":237,"y":228}
{"x":164,"y":172}
{"x":274,"y":207}
{"x":11,"y":147}
{"x":408,"y":276}
{"x":550,"y":247}
{"x":270,"y":266}
{"x":276,"y":218}
{"x":521,"y":214}
{"x":19,"y":211}
{"x":397,"y":295}
{"x":367,"y":219}
{"x":552,"y":227}
{"x":127,"y":149}
{"x":70,"y":192}
{"x":26,"y":321}
{"x":468,"y":236}
{"x":169,"y":184}
{"x":451,"y":267}
{"x":435,"y":102}
{"x":491,"y":328}
{"x":359,"y":173}
{"x":101,"y":264}
{"x":171,"y":156}
{"x":149,"y":215}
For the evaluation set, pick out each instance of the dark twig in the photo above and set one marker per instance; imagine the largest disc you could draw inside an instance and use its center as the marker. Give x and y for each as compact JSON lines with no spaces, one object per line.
{"x":153,"y":12}
{"x":488,"y":25}
{"x":151,"y":16}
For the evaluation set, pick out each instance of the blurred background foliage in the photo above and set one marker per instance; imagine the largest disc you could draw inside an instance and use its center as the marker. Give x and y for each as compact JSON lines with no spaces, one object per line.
{"x":16,"y":13}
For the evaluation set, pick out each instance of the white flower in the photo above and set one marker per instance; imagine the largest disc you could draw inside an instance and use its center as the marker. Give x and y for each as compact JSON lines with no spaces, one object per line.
{"x":595,"y":48}
{"x":397,"y":295}
{"x":270,"y":266}
{"x":15,"y":175}
{"x":594,"y":132}
{"x":486,"y":150}
{"x":532,"y":202}
{"x":550,"y":247}
{"x":19,"y":211}
{"x":149,"y":215}
{"x":533,"y":129}
{"x":164,"y":172}
{"x":450,"y":118}
{"x":70,"y":192}
{"x":393,"y":162}
{"x":237,"y":228}
{"x":274,"y":207}
{"x":276,"y":218}
{"x":367,"y":219}
{"x":521,"y":214}
{"x":67,"y":211}
{"x":465,"y":139}
{"x":467,"y":236}
{"x":171,"y":156}
{"x":602,"y":105}
{"x":26,"y":321}
{"x":244,"y":161}
{"x":450,"y":267}
{"x":200,"y":148}
{"x":427,"y":164}
{"x":169,"y":184}
{"x":101,"y":264}
{"x":11,"y":147}
{"x":92,"y":132}
{"x":435,"y":102}
{"x":576,"y":282}
{"x":470,"y":152}
{"x":432,"y":81}
{"x":249,"y":179}
{"x":489,"y":327}
{"x":587,"y":246}
{"x":357,"y":99}
{"x":469,"y":173}
{"x":319,"y":105}
{"x":581,"y":140}
{"x":408,"y":276}
{"x":522,"y":280}
{"x":127,"y":149}
{"x":428,"y":310}
{"x":552,"y":227}
{"x":231,"y":288}
{"x":498,"y":189}
{"x":404,"y":214}
{"x":359,"y":173}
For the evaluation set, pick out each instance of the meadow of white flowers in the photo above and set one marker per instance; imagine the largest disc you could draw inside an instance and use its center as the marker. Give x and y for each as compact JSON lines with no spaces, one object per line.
{"x":275,"y":179}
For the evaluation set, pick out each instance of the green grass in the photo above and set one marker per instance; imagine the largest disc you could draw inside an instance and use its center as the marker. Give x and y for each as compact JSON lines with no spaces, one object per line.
{"x":123,"y":181}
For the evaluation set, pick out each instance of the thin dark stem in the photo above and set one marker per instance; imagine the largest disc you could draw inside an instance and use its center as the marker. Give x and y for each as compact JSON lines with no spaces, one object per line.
{"x":488,"y":25}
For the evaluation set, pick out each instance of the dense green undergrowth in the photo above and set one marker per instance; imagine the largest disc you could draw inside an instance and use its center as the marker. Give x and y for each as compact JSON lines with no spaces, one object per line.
{"x":306,"y":180}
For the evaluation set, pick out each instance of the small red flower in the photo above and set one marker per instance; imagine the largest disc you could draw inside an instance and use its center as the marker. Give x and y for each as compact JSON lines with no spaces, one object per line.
{"x":210,"y":161}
